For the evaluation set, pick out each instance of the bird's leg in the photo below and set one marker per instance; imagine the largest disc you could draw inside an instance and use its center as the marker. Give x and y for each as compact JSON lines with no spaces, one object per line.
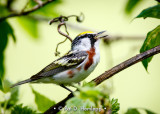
{"x":66,"y":88}
{"x":75,"y":86}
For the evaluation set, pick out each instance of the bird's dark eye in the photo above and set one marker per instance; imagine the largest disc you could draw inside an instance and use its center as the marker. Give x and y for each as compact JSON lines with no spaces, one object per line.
{"x":90,"y":36}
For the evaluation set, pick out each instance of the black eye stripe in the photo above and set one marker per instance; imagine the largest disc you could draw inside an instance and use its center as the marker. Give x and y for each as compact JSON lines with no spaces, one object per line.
{"x":77,"y":40}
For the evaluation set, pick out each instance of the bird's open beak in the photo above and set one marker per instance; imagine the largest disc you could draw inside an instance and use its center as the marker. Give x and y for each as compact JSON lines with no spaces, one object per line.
{"x":100,"y":35}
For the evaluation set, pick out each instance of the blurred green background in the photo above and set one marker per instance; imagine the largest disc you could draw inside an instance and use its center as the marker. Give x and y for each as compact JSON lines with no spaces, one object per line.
{"x":133,"y":87}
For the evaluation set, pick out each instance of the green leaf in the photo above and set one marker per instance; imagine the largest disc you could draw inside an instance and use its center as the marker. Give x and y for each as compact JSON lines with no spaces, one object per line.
{"x":149,"y":112}
{"x":18,"y":109}
{"x":88,"y":91}
{"x":115,"y":106}
{"x":135,"y":111}
{"x":42,"y":102}
{"x":1,"y":67}
{"x":5,"y":31}
{"x":30,"y":5}
{"x":14,"y":97}
{"x":90,"y":96}
{"x":14,"y":93}
{"x":30,"y":25}
{"x":152,"y":40}
{"x":153,"y":12}
{"x":6,"y":86}
{"x":4,"y":10}
{"x":131,"y":4}
{"x":132,"y":111}
{"x":1,"y":86}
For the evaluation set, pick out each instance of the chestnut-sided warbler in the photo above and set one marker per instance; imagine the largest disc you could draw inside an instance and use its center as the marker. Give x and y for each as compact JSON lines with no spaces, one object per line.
{"x":73,"y":67}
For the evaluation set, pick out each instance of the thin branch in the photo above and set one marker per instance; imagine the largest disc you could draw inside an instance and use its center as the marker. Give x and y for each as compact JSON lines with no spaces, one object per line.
{"x":63,"y":34}
{"x":108,"y":74}
{"x":56,"y":108}
{"x":27,"y":12}
{"x":126,"y":64}
{"x":62,"y":22}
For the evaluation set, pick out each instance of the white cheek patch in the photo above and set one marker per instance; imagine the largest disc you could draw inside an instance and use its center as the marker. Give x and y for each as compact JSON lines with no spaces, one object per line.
{"x":84,"y":45}
{"x":86,"y":42}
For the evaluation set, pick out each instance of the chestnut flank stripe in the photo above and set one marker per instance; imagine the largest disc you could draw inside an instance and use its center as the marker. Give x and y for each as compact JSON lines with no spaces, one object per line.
{"x":91,"y":53}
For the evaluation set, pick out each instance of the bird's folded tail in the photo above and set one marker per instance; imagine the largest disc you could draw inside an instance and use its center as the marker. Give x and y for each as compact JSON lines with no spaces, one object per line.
{"x":22,"y":82}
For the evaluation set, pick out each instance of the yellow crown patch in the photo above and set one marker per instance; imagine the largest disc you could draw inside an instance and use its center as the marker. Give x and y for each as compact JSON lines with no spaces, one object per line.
{"x":85,"y":33}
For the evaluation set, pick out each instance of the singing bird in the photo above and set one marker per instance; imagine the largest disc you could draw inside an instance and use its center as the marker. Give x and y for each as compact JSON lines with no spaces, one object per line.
{"x":73,"y":67}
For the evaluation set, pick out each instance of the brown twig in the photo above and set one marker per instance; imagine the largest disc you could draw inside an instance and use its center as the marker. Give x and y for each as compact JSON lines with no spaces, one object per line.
{"x":108,"y":74}
{"x":57,"y":107}
{"x":27,"y":12}
{"x":126,"y":64}
{"x":63,"y":34}
{"x":62,"y":20}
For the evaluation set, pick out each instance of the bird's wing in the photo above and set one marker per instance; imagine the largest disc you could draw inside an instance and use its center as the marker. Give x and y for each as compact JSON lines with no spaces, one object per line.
{"x":72,"y":59}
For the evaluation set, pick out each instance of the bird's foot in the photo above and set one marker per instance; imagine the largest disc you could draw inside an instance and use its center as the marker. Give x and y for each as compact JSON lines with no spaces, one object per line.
{"x":66,"y":88}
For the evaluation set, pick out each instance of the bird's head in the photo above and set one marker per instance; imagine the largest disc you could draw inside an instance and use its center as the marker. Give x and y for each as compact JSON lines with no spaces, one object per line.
{"x":87,"y":40}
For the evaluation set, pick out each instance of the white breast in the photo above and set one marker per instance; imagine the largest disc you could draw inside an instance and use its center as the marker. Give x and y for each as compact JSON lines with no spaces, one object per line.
{"x":79,"y":75}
